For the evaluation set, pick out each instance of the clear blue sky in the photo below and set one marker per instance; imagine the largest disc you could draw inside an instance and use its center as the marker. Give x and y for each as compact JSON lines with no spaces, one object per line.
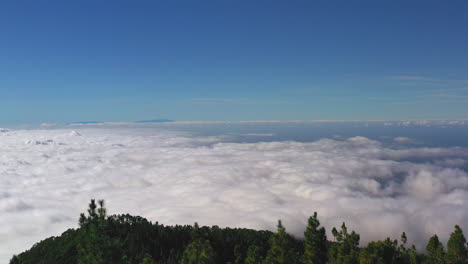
{"x":111,"y":60}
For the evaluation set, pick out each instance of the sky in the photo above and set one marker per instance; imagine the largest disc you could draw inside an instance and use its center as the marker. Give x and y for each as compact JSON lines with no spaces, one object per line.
{"x":112,"y":60}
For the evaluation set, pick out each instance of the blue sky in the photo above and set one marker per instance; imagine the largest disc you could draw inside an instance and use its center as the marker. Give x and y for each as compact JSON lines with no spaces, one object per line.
{"x":111,"y":60}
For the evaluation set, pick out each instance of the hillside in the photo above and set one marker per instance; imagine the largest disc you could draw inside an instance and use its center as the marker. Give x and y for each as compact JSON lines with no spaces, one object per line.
{"x":124,"y":239}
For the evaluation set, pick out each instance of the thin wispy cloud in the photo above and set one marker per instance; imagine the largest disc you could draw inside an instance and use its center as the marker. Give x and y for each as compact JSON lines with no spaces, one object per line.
{"x":235,"y":101}
{"x":459,"y":89}
{"x":414,"y":78}
{"x":221,"y":100}
{"x":456,"y":96}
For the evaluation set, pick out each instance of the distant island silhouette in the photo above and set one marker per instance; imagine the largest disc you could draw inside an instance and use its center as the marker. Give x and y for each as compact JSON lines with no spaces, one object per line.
{"x":154,"y":121}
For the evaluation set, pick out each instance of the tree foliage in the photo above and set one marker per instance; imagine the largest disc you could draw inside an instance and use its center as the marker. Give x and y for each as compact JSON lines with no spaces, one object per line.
{"x":281,"y":249}
{"x":456,"y":247}
{"x":254,"y":255}
{"x":199,"y":251}
{"x":315,"y":242}
{"x":126,"y":239}
{"x":345,"y":249}
{"x":435,"y":251}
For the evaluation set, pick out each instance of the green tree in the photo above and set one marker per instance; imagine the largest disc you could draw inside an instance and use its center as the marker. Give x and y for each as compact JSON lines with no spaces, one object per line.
{"x":456,"y":247}
{"x":280,"y":248}
{"x":147,"y":259}
{"x":345,"y":250}
{"x":381,"y":252}
{"x":403,"y":239}
{"x":90,"y":249}
{"x":91,"y":242}
{"x":315,"y":240}
{"x":94,"y":245}
{"x":365,"y":257}
{"x":403,"y":254}
{"x":435,"y":251}
{"x":15,"y":260}
{"x":253,"y":255}
{"x":199,"y":251}
{"x":102,"y":211}
{"x":413,"y":255}
{"x":95,"y":214}
{"x":238,"y":255}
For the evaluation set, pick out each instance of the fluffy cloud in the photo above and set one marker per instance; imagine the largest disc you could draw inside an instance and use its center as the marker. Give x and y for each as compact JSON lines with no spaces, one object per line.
{"x":404,"y":140}
{"x":48,"y":176}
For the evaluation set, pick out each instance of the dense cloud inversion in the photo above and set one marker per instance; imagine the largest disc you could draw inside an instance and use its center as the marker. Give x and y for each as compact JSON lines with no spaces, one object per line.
{"x":48,"y":176}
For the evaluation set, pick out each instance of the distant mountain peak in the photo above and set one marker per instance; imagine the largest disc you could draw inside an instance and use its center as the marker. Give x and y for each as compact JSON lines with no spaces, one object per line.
{"x":84,"y":122}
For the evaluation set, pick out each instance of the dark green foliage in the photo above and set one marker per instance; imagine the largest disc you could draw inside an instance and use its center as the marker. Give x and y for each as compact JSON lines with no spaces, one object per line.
{"x":345,"y":249}
{"x":389,"y":252}
{"x":14,"y":260}
{"x":414,"y":258}
{"x":254,"y":255}
{"x":456,"y":247}
{"x":199,"y":251}
{"x":95,"y":245}
{"x":315,"y":242}
{"x":238,"y":256}
{"x":384,"y":252}
{"x":281,"y":249}
{"x":435,"y":251}
{"x":403,"y":239}
{"x":125,"y":239}
{"x":147,"y":259}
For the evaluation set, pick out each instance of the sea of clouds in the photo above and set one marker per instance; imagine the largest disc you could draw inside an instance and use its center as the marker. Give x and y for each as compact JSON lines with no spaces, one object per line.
{"x":48,"y":176}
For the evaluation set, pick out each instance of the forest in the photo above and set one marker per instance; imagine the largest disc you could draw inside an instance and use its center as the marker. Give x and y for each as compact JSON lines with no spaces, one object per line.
{"x":126,"y":239}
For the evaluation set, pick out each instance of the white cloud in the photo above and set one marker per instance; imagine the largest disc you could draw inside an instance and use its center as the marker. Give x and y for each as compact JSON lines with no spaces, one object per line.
{"x":48,"y":125}
{"x":404,"y":140}
{"x":257,"y":134}
{"x":177,"y":179}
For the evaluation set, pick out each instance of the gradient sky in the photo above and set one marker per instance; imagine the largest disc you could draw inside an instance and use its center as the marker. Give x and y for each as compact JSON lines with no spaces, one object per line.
{"x":109,"y":60}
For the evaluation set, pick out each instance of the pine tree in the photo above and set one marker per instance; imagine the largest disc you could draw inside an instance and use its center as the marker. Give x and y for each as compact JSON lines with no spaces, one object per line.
{"x":101,"y":212}
{"x":253,"y":255}
{"x":14,"y":260}
{"x":199,"y":251}
{"x":403,"y":255}
{"x":404,"y":239}
{"x":147,"y":259}
{"x":365,"y":257}
{"x":95,"y":214}
{"x":92,"y":209}
{"x":90,"y":250}
{"x":90,"y":243}
{"x":280,"y":248}
{"x":413,"y":256}
{"x":346,"y":248}
{"x":435,"y":251}
{"x":456,"y":249}
{"x":315,"y":239}
{"x":238,"y":255}
{"x":94,"y":246}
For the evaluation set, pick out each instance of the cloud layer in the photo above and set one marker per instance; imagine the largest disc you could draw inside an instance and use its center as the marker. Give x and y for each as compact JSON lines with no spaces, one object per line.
{"x":48,"y":176}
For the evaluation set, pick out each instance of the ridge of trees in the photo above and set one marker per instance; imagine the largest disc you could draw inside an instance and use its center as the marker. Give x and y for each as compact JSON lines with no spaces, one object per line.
{"x":126,"y":239}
